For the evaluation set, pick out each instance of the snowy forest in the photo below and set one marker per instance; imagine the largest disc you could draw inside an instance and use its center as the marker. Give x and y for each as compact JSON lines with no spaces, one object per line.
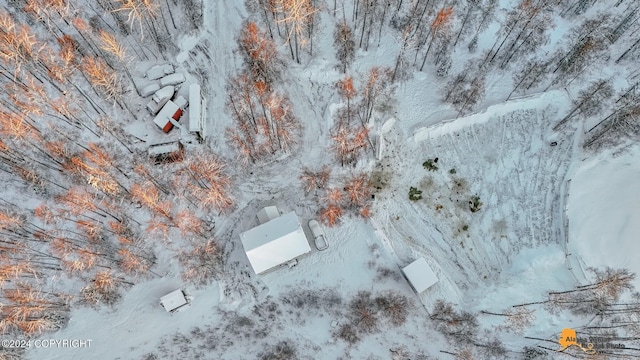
{"x":449,"y":130}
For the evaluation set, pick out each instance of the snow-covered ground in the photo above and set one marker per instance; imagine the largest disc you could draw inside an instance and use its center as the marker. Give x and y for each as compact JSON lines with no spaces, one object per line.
{"x":509,"y":254}
{"x":604,"y":210}
{"x":530,"y":179}
{"x":353,"y":262}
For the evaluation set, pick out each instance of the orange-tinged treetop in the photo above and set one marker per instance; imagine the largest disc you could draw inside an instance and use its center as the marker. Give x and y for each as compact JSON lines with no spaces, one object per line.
{"x":442,"y":18}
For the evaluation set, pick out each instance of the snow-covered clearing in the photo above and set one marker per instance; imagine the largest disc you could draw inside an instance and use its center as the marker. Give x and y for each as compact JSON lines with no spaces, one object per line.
{"x":603,"y":210}
{"x":503,"y":155}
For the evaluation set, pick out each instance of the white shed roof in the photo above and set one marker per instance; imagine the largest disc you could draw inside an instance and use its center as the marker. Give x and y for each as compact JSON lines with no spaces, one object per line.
{"x":420,"y":275}
{"x":195,"y":102}
{"x":275,"y":242}
{"x":173,"y":300}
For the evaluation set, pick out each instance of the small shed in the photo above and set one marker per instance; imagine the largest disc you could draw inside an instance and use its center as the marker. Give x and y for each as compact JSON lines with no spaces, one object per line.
{"x":167,"y":152}
{"x":267,"y":214}
{"x":173,"y":301}
{"x":169,"y":111}
{"x":274,"y":243}
{"x":419,"y":275}
{"x":195,"y":107}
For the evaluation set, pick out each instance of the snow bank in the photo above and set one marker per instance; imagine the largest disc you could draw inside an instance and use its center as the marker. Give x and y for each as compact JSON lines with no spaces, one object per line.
{"x":537,"y":101}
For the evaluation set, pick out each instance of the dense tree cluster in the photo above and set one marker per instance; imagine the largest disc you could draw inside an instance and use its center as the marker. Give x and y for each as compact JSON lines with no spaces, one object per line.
{"x":65,"y":95}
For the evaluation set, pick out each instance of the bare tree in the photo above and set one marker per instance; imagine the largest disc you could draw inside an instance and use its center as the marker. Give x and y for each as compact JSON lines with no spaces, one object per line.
{"x":331,"y":214}
{"x":461,"y":325}
{"x":516,"y":319}
{"x":312,"y":180}
{"x":106,"y":81}
{"x":439,"y":32}
{"x":201,"y":263}
{"x":589,"y":102}
{"x":265,"y":122}
{"x":259,"y":53}
{"x":344,"y":45}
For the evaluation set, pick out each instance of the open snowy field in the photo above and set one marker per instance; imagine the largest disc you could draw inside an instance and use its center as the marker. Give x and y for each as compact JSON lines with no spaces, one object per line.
{"x":603,"y":210}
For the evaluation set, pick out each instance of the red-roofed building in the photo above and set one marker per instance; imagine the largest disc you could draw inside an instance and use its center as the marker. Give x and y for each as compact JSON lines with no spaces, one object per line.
{"x":169,"y":111}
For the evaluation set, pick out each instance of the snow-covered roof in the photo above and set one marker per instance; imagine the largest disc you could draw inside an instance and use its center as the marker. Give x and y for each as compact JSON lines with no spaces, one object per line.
{"x":268,"y":213}
{"x":149,"y":89}
{"x":158,"y":71}
{"x":173,"y":300}
{"x":163,"y":94}
{"x":173,"y":79}
{"x":166,"y":148}
{"x":275,"y":242}
{"x":195,"y":102}
{"x":168,"y":111}
{"x":180,"y":101}
{"x":420,"y":275}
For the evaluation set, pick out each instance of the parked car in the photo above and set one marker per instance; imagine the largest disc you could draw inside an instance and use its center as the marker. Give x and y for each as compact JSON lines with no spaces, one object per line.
{"x":318,"y":235}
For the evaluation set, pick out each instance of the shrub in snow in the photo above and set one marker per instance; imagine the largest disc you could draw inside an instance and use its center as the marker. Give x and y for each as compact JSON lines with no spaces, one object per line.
{"x":394,"y":307}
{"x":466,"y":354}
{"x":331,"y":214}
{"x":475,"y":204}
{"x":348,"y":333}
{"x":150,"y":356}
{"x":430,"y":164}
{"x":494,"y":349}
{"x":12,"y":354}
{"x":386,"y":273}
{"x":531,"y":353}
{"x":192,"y":12}
{"x":415,"y":194}
{"x":459,"y":326}
{"x":317,"y":299}
{"x":363,"y":312}
{"x":281,"y":351}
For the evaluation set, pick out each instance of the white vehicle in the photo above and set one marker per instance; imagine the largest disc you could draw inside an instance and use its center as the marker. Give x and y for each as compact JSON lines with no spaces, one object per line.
{"x":318,"y":235}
